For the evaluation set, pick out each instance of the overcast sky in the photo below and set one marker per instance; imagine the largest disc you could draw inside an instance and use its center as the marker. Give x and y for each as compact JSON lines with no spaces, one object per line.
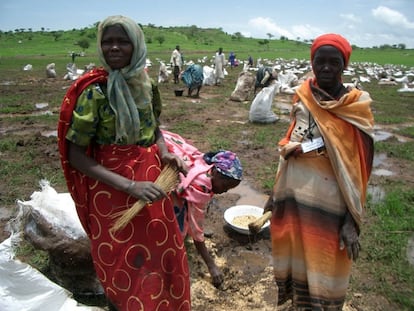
{"x":365,"y":23}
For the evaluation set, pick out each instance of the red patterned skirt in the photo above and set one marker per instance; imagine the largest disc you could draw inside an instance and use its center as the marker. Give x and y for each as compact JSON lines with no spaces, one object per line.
{"x":143,"y":266}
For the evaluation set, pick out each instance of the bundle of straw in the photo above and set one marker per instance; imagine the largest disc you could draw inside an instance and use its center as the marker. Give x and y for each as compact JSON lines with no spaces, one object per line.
{"x":167,"y":180}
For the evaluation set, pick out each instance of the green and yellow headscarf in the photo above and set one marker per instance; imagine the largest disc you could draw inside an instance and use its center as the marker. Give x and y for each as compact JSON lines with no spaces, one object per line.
{"x":129,"y":88}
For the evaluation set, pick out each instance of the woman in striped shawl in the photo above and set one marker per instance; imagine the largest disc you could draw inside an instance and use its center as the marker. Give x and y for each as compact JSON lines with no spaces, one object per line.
{"x":320,"y":186}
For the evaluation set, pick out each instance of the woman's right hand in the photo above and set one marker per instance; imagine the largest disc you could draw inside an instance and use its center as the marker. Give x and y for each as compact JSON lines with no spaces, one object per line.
{"x":146,"y":191}
{"x":291,"y":149}
{"x":217,"y":276}
{"x":270,"y":205}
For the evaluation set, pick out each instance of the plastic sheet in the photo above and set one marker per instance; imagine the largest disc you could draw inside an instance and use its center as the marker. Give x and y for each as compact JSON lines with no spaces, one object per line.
{"x":24,"y":288}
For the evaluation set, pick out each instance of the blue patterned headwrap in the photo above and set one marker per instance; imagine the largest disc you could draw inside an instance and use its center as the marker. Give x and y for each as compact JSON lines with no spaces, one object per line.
{"x":226,"y":163}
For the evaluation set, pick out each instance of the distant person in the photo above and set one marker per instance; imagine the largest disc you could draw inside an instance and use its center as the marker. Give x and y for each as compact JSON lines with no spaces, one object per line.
{"x":250,"y":61}
{"x":219,"y":62}
{"x":176,"y":63}
{"x":73,"y":56}
{"x":232,"y":59}
{"x":264,"y":77}
{"x":193,"y":78}
{"x":209,"y":173}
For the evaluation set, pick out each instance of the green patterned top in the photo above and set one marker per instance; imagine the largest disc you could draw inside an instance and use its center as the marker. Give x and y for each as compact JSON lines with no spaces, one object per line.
{"x":94,"y":120}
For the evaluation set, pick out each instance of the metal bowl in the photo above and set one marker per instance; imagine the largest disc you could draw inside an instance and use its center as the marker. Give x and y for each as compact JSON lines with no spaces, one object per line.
{"x":243,"y":210}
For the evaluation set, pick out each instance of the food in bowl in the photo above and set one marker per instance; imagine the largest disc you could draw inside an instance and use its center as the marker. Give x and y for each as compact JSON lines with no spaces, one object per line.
{"x":243,"y":220}
{"x":238,"y":217}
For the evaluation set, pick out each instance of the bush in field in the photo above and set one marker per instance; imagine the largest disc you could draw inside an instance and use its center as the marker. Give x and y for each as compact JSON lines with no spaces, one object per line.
{"x":83,"y":43}
{"x":160,"y":39}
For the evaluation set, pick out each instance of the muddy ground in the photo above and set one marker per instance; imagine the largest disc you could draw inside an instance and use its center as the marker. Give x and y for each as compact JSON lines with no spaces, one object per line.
{"x":245,"y":260}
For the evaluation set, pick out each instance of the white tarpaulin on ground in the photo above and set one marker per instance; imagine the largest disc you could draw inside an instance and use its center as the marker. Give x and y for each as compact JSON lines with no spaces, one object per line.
{"x":24,"y":288}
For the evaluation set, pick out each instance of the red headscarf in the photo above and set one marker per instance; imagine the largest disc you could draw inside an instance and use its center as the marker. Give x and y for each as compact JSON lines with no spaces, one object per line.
{"x":334,"y":40}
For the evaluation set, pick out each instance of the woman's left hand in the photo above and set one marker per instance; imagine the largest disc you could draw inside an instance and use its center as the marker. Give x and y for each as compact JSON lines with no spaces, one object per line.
{"x":172,"y":159}
{"x":349,"y":237}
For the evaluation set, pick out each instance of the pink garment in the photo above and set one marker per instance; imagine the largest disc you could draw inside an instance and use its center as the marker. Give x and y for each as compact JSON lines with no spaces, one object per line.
{"x":195,"y":188}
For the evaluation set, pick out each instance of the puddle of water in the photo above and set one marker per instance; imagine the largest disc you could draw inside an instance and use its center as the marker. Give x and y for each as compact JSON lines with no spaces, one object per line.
{"x":7,"y":83}
{"x":381,"y":135}
{"x":49,"y":133}
{"x":249,"y":196}
{"x":380,"y":159}
{"x":47,"y":113}
{"x":382,"y":172}
{"x":41,"y":105}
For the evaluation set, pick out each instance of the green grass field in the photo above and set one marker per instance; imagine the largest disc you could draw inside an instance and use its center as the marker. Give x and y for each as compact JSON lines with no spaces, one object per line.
{"x":44,"y":47}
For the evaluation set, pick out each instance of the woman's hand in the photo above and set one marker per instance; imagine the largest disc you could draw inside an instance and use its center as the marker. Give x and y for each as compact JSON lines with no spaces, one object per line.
{"x":146,"y":191}
{"x":270,"y":205}
{"x":295,"y":152}
{"x":175,"y":161}
{"x":168,"y":157}
{"x":291,"y":149}
{"x":217,"y":277}
{"x":349,"y":237}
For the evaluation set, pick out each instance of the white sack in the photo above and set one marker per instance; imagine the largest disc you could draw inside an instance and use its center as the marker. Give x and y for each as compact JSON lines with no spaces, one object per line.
{"x":244,"y":86}
{"x":57,"y":208}
{"x":261,"y":107}
{"x":209,"y":77}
